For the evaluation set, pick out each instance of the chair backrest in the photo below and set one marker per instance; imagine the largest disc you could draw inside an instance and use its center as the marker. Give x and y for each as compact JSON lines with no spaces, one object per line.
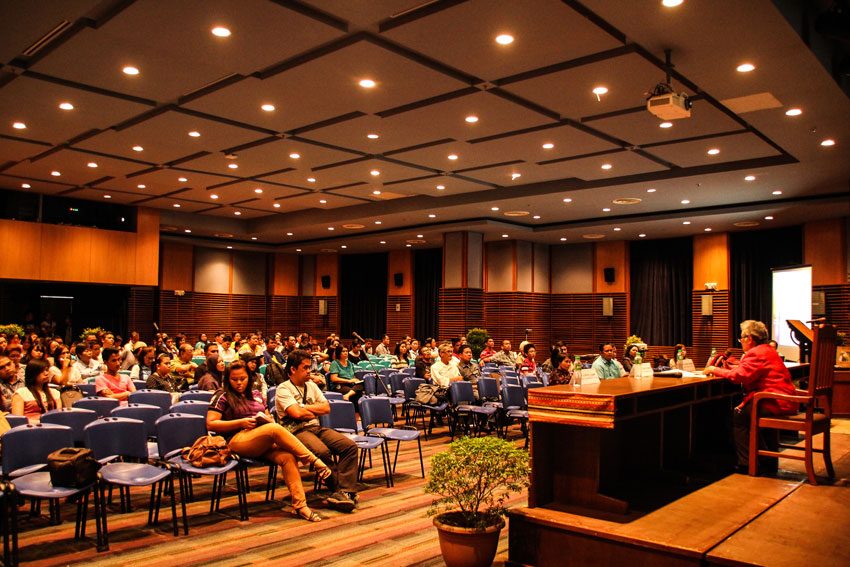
{"x":271,"y":395}
{"x":159,"y":398}
{"x":16,"y":420}
{"x":513,"y":396}
{"x":460,"y":392}
{"x":262,"y":370}
{"x":529,"y":378}
{"x":375,"y":412}
{"x":110,"y":436}
{"x":342,"y":416}
{"x":387,"y":371}
{"x":532,"y":385}
{"x":140,"y":384}
{"x":488,"y":388}
{"x":397,"y":381}
{"x":87,"y":389}
{"x":75,"y":418}
{"x":822,"y":369}
{"x":510,"y":381}
{"x":369,"y":384}
{"x":193,"y":407}
{"x":143,"y":412}
{"x":201,"y":395}
{"x":509,"y":372}
{"x":100,"y":405}
{"x":410,"y":386}
{"x":177,"y":430}
{"x":331,"y":396}
{"x":410,"y":370}
{"x":360,"y":374}
{"x":30,"y":444}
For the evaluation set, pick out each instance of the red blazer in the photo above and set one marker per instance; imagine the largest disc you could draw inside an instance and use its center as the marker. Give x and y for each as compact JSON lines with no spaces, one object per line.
{"x":762,"y":370}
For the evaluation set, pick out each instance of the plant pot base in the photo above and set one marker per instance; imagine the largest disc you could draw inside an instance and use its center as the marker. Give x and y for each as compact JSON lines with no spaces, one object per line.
{"x":468,"y":547}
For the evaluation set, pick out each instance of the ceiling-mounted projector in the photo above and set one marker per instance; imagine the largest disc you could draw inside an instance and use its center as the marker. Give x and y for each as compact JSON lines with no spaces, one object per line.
{"x":669,"y":106}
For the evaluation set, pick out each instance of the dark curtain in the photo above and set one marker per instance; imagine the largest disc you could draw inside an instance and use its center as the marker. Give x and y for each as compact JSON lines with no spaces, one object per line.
{"x":753,"y":256}
{"x":427,"y":278}
{"x":363,"y":295}
{"x":661,"y":283}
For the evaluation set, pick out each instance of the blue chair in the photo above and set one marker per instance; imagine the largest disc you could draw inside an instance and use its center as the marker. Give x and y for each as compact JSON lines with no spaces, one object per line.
{"x":397,"y":383}
{"x":510,"y":381}
{"x":198,"y":395}
{"x":100,"y":405}
{"x":159,"y":398}
{"x":76,"y":418}
{"x":16,"y":420}
{"x":331,"y":396}
{"x":377,"y":419}
{"x":87,"y":389}
{"x":488,"y":391}
{"x":515,"y":407}
{"x":192,"y":407}
{"x":343,"y":419}
{"x":176,"y":431}
{"x":416,"y":409}
{"x":128,"y":439}
{"x":25,"y":451}
{"x":140,"y":384}
{"x":462,"y":401}
{"x":410,"y":370}
{"x":146,"y":413}
{"x":361,"y":374}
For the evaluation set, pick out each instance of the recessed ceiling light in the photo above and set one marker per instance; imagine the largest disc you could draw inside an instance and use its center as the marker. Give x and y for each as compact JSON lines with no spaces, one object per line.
{"x":142,"y":186}
{"x":237,"y":213}
{"x":176,"y":205}
{"x":128,"y":70}
{"x":471,"y":119}
{"x":258,"y":191}
{"x":230,"y":247}
{"x":408,"y":245}
{"x":276,"y":205}
{"x":626,"y":201}
{"x":253,"y":238}
{"x":343,"y":246}
{"x":420,"y":236}
{"x":516,"y":213}
{"x":376,"y":192}
{"x":828,"y":142}
{"x":25,"y":185}
{"x":367,"y":83}
{"x":713,"y":152}
{"x":515,"y":176}
{"x":441,"y":187}
{"x":213,"y":196}
{"x":353,"y":225}
{"x":666,"y":125}
{"x":568,"y":200}
{"x":768,"y":217}
{"x":311,"y":179}
{"x":593,"y":236}
{"x":382,"y":242}
{"x":187,"y":230}
{"x":288,"y":234}
{"x":777,"y":192}
{"x":107,"y":196}
{"x":494,"y":208}
{"x":375,"y":173}
{"x":548,"y":146}
{"x":298,"y":250}
{"x":372,"y":136}
{"x":745,"y":67}
{"x":182,"y":179}
{"x":750,"y":178}
{"x":66,"y":106}
{"x":794,"y":112}
{"x":452,"y":156}
{"x":606,"y":210}
{"x":295,"y":155}
{"x":641,"y":235}
{"x":377,"y":222}
{"x":536,"y":217}
{"x":267,"y":107}
{"x":91,"y":164}
{"x":707,"y":229}
{"x":617,"y":229}
{"x":138,"y":149}
{"x":195,"y":134}
{"x":55,"y":173}
{"x":651,"y":190}
{"x":504,"y":236}
{"x":599,"y":91}
{"x":686,"y":222}
{"x":563,"y":238}
{"x":686,"y":201}
{"x":330,"y":228}
{"x":221,"y":32}
{"x":19,"y":126}
{"x":504,"y":39}
{"x":607,"y":166}
{"x":322,"y":201}
{"x":432,"y":216}
{"x":233,"y":165}
{"x":671,"y":3}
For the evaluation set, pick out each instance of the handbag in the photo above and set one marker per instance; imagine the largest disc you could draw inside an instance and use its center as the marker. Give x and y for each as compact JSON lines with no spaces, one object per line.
{"x":207,"y":451}
{"x":69,"y":394}
{"x":72,"y":467}
{"x":426,"y":394}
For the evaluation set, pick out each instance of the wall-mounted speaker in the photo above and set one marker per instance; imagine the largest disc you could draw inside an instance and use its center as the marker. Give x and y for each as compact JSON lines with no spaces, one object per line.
{"x":707,"y":305}
{"x":323,"y":306}
{"x":398,"y":279}
{"x":326,"y":282}
{"x":609,"y":275}
{"x":818,"y":303}
{"x":608,"y":306}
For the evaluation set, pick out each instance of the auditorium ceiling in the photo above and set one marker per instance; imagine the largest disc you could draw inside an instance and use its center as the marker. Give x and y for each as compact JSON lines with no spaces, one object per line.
{"x":376,"y":124}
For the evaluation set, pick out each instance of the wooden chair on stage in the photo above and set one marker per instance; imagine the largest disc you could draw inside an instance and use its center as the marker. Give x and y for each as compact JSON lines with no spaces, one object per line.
{"x":818,"y":395}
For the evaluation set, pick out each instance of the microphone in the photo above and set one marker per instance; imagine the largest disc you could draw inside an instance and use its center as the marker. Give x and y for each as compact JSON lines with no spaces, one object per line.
{"x":818,"y":320}
{"x":358,"y":337}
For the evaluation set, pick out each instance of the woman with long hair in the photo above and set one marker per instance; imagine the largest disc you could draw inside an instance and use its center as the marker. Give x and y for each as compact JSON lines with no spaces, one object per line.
{"x":61,"y":370}
{"x":342,"y":378}
{"x":35,"y":351}
{"x":399,"y":359}
{"x":213,"y":378}
{"x":36,"y":397}
{"x":146,"y":356}
{"x":238,"y":413}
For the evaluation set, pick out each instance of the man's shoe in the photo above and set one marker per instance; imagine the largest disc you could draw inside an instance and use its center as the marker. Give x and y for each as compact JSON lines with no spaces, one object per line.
{"x":340,"y":501}
{"x":354,"y":497}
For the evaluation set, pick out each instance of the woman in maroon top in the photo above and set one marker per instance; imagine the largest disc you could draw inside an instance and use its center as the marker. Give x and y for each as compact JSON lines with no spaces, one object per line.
{"x":761,"y":370}
{"x":233,"y":413}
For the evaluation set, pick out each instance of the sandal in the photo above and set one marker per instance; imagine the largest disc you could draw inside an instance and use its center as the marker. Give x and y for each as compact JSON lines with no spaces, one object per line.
{"x":306,"y":513}
{"x":323,"y":470}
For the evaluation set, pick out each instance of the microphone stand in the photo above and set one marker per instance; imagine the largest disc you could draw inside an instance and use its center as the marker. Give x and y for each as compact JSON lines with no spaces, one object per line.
{"x":378,"y":377}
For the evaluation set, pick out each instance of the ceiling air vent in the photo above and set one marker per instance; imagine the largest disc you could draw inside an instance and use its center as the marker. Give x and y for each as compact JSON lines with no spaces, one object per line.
{"x":46,"y":38}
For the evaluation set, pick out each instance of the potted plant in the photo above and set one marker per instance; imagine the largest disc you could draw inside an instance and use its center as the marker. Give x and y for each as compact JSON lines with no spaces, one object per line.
{"x":477,"y":339}
{"x":472,"y":480}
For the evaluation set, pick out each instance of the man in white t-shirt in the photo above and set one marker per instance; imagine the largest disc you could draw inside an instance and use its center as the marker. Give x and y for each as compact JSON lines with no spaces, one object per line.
{"x":444,"y":371}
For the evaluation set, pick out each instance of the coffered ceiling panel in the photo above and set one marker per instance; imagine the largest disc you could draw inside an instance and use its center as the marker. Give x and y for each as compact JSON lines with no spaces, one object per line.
{"x":72,"y":167}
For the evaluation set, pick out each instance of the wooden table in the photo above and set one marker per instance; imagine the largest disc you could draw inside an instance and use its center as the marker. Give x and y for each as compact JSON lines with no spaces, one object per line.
{"x":589,"y":442}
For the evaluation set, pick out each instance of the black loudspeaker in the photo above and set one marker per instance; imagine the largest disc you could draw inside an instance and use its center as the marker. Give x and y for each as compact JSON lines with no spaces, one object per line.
{"x":398,"y":279}
{"x":609,"y":275}
{"x":326,"y":282}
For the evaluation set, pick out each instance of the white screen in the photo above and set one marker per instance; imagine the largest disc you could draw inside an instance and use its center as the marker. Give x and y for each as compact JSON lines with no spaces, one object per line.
{"x":792,"y":299}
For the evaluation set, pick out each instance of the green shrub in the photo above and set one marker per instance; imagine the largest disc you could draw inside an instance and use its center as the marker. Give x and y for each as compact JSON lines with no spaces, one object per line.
{"x":11,"y":329}
{"x":477,"y":340}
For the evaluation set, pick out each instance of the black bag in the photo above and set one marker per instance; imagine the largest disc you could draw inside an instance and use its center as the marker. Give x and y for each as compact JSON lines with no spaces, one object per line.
{"x":72,"y":467}
{"x":69,"y":394}
{"x":274,"y":374}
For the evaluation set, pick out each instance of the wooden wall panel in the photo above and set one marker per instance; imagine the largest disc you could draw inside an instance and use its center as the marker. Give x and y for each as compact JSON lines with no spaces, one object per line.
{"x":823,"y":248}
{"x":500,"y":266}
{"x":284,"y":314}
{"x":21,"y":250}
{"x":284,"y":275}
{"x":508,"y":314}
{"x":577,"y":320}
{"x":176,"y":266}
{"x":327,"y":265}
{"x":611,"y":255}
{"x":66,"y":253}
{"x":400,"y":262}
{"x":711,"y":260}
{"x":710,"y":332}
{"x":399,"y":323}
{"x":460,"y":310}
{"x":147,"y":246}
{"x":319,"y":325}
{"x":140,"y":312}
{"x":112,"y":257}
{"x":837,"y":300}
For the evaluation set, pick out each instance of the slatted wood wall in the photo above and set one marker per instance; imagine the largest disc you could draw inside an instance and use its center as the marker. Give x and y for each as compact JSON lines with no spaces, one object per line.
{"x":710,"y":332}
{"x":319,"y":325}
{"x":577,"y":320}
{"x":460,"y":310}
{"x":837,"y":301}
{"x":285,"y":314}
{"x":140,"y":311}
{"x":508,"y":314}
{"x":399,"y":323}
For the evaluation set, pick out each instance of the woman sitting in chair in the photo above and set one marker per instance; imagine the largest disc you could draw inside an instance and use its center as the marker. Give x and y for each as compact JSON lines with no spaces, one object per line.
{"x":761,"y":370}
{"x":238,"y":412}
{"x":36,"y":397}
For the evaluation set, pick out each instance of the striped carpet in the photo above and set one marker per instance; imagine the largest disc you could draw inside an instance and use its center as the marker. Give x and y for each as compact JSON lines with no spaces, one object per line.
{"x":388,"y":529}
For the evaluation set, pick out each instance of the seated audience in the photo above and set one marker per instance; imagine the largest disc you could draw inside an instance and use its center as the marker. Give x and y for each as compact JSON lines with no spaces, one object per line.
{"x":679,"y":348}
{"x":413,"y":350}
{"x":424,"y":362}
{"x":629,"y":355}
{"x":212,"y":379}
{"x":341,"y":376}
{"x":399,"y":359}
{"x":9,"y":382}
{"x":505,"y":357}
{"x":85,"y":368}
{"x":145,"y":367}
{"x":469,"y":371}
{"x":547,"y":365}
{"x":383,"y":347}
{"x":605,"y":365}
{"x":443,"y":372}
{"x":183,"y":369}
{"x":36,"y":397}
{"x":233,"y":413}
{"x":61,"y":369}
{"x":357,"y":354}
{"x":110,"y":384}
{"x":201,"y":345}
{"x":226,"y":351}
{"x":562,"y":372}
{"x":527,"y":364}
{"x":272,"y":353}
{"x":162,"y":378}
{"x":488,"y":352}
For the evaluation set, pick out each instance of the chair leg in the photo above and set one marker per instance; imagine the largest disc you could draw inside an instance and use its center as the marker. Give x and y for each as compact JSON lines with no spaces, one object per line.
{"x":181,"y":480}
{"x":753,"y":464}
{"x":173,"y":506}
{"x":421,"y":463}
{"x":810,"y":466}
{"x":100,"y":517}
{"x":827,"y":456}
